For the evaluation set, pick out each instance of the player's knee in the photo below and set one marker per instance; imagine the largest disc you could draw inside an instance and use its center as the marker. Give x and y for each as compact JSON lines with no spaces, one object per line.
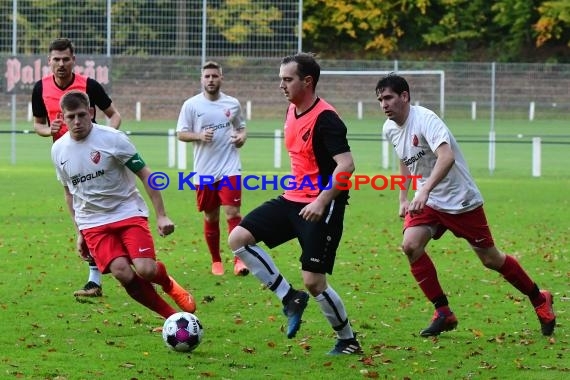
{"x":211,"y":218}
{"x":314,"y":282}
{"x":146,"y":268}
{"x":491,"y":261}
{"x":231,"y":212}
{"x":121,"y":269}
{"x":240,"y":237}
{"x":411,"y":249}
{"x":491,"y":258}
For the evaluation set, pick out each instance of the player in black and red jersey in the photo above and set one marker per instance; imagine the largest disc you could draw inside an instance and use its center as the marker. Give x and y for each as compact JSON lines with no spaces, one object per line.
{"x":48,"y":121}
{"x":311,"y":209}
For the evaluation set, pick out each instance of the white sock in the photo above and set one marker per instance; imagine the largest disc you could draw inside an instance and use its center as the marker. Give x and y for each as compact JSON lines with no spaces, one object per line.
{"x":261,"y":265}
{"x":94,"y":274}
{"x":333,"y":309}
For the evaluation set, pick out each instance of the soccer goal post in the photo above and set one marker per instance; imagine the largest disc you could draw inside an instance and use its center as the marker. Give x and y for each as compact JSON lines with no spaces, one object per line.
{"x":386,"y":149}
{"x":377,"y":73}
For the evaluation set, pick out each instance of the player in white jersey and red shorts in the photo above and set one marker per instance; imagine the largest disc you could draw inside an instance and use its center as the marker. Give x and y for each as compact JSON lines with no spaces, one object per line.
{"x":446,"y":198}
{"x":97,"y":167}
{"x":214,"y":123}
{"x":46,"y":95}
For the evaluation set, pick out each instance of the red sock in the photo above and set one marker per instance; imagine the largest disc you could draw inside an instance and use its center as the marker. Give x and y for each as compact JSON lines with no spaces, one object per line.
{"x":515,"y":274}
{"x":233,"y":222}
{"x":444,"y":310}
{"x":144,"y":293}
{"x":212,"y":235}
{"x":426,"y":276}
{"x":161,"y":278}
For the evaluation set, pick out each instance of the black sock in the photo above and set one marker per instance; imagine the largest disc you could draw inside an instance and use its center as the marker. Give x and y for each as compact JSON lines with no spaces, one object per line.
{"x":289,"y":296}
{"x":440,"y":301}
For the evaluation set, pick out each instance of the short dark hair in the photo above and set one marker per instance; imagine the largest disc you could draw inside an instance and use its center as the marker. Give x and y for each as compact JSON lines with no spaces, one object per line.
{"x":394,"y":82}
{"x":306,"y":65}
{"x":73,"y":100}
{"x":61,"y":44}
{"x":212,"y":65}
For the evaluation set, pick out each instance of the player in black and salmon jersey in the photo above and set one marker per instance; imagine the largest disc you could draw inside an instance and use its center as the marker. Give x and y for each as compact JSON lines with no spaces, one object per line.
{"x":311,"y":209}
{"x":48,"y":122}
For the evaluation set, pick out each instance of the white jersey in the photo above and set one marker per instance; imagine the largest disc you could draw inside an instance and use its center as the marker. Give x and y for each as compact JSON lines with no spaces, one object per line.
{"x":103,"y":188}
{"x":415,"y":143}
{"x":219,"y":157}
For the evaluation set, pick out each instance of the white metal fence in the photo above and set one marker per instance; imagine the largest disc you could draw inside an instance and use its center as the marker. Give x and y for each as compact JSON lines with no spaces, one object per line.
{"x":153,"y":51}
{"x":266,"y":28}
{"x":158,"y":85}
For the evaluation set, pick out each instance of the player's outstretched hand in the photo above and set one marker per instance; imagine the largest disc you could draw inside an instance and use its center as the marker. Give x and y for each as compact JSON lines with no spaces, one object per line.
{"x":165,"y":226}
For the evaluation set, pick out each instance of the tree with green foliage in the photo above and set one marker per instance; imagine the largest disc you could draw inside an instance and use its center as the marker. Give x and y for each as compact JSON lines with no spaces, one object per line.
{"x":240,"y":20}
{"x":457,"y":29}
{"x":502,"y":30}
{"x":513,"y":20}
{"x":333,"y":26}
{"x":554,"y":22}
{"x":458,"y":26}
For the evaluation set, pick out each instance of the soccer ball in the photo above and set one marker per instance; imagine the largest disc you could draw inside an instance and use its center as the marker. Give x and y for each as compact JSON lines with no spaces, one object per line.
{"x":182,"y":332}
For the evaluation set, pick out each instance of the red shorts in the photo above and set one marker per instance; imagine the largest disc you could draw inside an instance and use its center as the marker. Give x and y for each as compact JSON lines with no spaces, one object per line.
{"x":126,"y":238}
{"x":471,"y":225}
{"x":209,"y":198}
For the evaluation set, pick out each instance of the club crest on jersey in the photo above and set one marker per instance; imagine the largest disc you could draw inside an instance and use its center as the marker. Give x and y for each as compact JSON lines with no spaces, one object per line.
{"x":96,"y":157}
{"x":415,"y":140}
{"x":228,"y":113}
{"x":306,"y":135}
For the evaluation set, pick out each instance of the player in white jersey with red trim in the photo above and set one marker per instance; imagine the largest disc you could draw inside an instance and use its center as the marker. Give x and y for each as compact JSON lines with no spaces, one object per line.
{"x":97,"y":167}
{"x":214,"y":123}
{"x":446,"y":198}
{"x":456,"y":192}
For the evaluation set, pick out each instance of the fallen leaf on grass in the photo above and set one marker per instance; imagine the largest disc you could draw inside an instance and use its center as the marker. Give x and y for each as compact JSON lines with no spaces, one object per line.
{"x":477,"y":333}
{"x":369,"y":374}
{"x":367,"y":361}
{"x":305,"y":346}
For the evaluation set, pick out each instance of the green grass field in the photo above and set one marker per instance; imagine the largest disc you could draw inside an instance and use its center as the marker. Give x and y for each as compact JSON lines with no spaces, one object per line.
{"x":47,"y":334}
{"x":513,"y":147}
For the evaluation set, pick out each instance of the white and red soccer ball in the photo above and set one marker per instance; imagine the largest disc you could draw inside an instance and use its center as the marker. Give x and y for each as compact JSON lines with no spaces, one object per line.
{"x":182,"y":332}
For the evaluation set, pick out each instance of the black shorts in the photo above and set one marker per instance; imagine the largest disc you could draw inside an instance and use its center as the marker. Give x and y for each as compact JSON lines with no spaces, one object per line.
{"x":277,"y":221}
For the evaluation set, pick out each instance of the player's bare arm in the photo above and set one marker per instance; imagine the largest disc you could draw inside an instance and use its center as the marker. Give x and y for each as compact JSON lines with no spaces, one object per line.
{"x":403,"y":198}
{"x":445,"y":161}
{"x":114,"y":116}
{"x":164,"y":224}
{"x":44,"y":129}
{"x":315,"y":210}
{"x":81,"y":246}
{"x":206,"y":135}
